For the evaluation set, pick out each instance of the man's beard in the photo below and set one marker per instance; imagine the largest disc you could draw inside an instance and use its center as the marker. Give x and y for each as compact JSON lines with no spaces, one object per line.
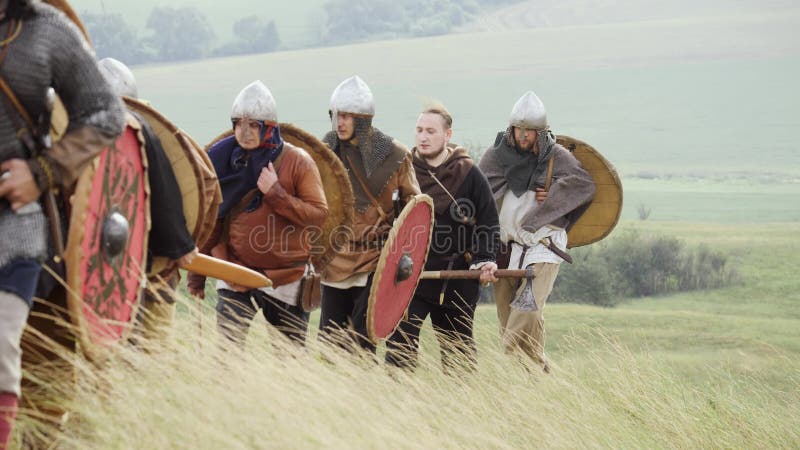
{"x":531,"y":145}
{"x":435,"y":155}
{"x":527,"y":148}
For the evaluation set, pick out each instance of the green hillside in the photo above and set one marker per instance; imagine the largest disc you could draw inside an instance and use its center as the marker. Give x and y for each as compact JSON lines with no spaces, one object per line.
{"x":652,"y":96}
{"x":297,"y":21}
{"x":556,"y":13}
{"x":710,"y":102}
{"x":697,"y":105}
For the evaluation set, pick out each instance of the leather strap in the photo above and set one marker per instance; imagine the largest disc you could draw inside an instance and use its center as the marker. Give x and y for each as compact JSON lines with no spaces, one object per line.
{"x":15,"y":102}
{"x":23,"y":129}
{"x":549,"y":180}
{"x":525,"y":249}
{"x":277,"y":163}
{"x":363,"y":184}
{"x":529,"y":270}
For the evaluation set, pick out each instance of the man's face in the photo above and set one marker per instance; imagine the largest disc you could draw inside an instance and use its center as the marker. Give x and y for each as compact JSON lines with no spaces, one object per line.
{"x":345,"y":126}
{"x":248,"y":133}
{"x":431,"y":136}
{"x":525,"y":139}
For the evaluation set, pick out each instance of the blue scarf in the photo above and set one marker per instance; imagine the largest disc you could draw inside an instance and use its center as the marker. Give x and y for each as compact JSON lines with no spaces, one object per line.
{"x":238,"y":169}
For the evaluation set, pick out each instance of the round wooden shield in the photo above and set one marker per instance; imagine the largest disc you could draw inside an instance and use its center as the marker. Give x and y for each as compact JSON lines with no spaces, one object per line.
{"x":603,"y":214}
{"x":105,"y":280}
{"x":338,"y":192}
{"x":196,"y":178}
{"x":406,"y":248}
{"x":213,"y":197}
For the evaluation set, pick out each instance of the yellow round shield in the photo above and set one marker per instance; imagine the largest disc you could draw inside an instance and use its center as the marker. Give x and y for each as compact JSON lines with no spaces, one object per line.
{"x":194,"y":173}
{"x":603,"y":213}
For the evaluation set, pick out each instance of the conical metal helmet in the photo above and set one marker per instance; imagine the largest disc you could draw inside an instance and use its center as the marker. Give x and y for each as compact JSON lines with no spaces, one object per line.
{"x":256,"y":102}
{"x":529,"y":113}
{"x":353,"y":96}
{"x":119,"y":76}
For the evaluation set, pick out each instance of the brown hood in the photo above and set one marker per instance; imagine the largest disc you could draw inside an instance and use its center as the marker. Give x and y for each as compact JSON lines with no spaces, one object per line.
{"x":451,"y":173}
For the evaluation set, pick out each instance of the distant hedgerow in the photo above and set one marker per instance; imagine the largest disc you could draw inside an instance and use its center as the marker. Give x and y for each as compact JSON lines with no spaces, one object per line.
{"x":633,"y":265}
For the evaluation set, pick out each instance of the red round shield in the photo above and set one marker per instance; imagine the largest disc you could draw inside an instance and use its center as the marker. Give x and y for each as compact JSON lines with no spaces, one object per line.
{"x":401,"y":263}
{"x":107,"y":243}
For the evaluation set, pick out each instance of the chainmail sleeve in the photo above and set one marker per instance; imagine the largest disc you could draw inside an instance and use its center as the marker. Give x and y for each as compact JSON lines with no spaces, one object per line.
{"x":87,"y":96}
{"x":409,"y":186}
{"x":96,"y":114}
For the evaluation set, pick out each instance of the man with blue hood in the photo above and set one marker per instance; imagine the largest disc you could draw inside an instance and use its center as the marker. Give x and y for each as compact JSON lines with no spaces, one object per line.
{"x":272,"y":197}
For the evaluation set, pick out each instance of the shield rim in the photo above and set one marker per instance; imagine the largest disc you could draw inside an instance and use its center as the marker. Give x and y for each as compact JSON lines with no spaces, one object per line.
{"x":294,"y":134}
{"x":612,"y":171}
{"x":384,"y":257}
{"x":213,"y":207}
{"x":83,"y":186}
{"x":200,"y":231}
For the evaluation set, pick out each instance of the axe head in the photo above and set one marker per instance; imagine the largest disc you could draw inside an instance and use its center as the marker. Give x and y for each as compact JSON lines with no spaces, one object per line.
{"x":525,"y":301}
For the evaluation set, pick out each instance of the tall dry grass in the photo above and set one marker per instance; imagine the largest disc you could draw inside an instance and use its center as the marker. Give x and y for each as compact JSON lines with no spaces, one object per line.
{"x":192,"y":390}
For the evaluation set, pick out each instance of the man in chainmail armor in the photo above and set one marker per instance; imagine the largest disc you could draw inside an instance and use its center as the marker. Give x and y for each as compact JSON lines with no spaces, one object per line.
{"x":465,"y":236}
{"x":39,"y":48}
{"x":382,"y":177}
{"x":541,"y":190}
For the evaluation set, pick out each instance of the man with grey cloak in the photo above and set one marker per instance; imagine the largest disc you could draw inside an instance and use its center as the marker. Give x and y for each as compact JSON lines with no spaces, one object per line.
{"x":541,"y":190}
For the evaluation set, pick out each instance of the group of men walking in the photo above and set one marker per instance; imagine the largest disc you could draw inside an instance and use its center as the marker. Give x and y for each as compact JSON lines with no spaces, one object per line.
{"x":524,"y":193}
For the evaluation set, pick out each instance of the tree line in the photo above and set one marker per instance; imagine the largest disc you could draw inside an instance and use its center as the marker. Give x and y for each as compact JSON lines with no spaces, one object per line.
{"x":185,"y":33}
{"x":176,"y":34}
{"x":362,"y":20}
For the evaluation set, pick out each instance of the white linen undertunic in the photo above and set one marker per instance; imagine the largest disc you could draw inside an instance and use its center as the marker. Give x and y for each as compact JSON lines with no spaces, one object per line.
{"x":512,"y":211}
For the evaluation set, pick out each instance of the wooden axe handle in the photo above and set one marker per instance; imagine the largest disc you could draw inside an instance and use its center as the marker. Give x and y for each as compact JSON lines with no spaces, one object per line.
{"x":227,"y":271}
{"x":470,"y":274}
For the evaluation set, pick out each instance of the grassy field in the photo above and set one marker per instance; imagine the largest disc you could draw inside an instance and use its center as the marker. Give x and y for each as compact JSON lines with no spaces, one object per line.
{"x":738,"y":200}
{"x":704,"y":369}
{"x":699,"y":115}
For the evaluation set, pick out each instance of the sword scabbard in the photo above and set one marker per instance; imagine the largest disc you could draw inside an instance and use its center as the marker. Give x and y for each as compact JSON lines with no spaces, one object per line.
{"x":54,"y":219}
{"x":227,"y":271}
